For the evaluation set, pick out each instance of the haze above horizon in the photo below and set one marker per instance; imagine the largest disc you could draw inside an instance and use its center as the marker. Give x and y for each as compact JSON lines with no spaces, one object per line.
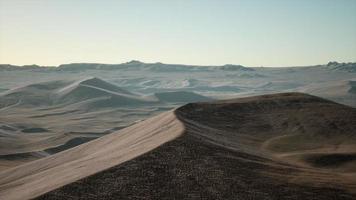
{"x":247,"y":32}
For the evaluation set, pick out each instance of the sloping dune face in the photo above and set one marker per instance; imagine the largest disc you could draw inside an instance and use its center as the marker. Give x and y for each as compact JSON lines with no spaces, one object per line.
{"x":68,"y":92}
{"x":36,"y":118}
{"x":41,"y":176}
{"x":296,"y":128}
{"x":277,"y":124}
{"x":236,"y":150}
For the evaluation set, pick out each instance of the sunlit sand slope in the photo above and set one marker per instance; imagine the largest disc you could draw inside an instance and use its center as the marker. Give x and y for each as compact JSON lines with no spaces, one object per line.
{"x":41,"y":176}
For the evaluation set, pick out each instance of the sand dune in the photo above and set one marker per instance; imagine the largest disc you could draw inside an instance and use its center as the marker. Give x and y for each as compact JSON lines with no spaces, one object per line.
{"x":300,"y":145}
{"x":35,"y":178}
{"x":97,"y":93}
{"x":297,"y":139}
{"x":89,"y":90}
{"x":292,"y":125}
{"x":88,"y":94}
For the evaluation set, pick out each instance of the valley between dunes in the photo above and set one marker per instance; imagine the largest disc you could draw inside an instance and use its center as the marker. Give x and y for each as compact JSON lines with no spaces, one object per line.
{"x":280,"y":146}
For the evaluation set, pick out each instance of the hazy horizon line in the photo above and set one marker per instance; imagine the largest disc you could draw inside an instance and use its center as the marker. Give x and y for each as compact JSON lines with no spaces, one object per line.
{"x":138,"y":61}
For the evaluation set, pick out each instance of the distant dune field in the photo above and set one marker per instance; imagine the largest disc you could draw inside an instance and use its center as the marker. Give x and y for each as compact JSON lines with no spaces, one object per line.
{"x":40,"y":119}
{"x":154,"y":130}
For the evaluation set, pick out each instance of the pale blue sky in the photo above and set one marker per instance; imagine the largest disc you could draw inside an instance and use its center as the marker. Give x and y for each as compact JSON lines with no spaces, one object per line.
{"x":247,"y":32}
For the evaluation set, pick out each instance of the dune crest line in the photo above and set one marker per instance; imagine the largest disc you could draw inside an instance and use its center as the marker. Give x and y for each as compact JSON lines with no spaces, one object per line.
{"x":38,"y":177}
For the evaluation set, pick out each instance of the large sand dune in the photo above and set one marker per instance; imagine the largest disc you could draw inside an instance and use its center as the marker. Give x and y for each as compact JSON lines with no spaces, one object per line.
{"x":35,"y":178}
{"x":69,"y":92}
{"x":292,"y":127}
{"x":282,"y":146}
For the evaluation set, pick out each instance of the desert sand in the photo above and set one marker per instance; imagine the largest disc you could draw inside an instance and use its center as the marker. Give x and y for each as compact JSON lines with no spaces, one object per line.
{"x":41,"y":176}
{"x":281,"y":146}
{"x":45,"y":110}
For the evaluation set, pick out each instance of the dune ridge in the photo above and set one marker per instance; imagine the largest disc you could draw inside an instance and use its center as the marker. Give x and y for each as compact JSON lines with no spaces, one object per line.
{"x":35,"y":178}
{"x":223,"y":155}
{"x":67,"y":92}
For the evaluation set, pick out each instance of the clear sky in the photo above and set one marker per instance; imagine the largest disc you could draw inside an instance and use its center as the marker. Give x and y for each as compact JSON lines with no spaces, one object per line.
{"x":247,"y":32}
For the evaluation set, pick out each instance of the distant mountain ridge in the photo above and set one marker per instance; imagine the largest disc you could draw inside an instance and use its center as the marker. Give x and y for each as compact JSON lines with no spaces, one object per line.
{"x":349,"y":67}
{"x":134,"y":64}
{"x":157,"y":67}
{"x":5,"y":67}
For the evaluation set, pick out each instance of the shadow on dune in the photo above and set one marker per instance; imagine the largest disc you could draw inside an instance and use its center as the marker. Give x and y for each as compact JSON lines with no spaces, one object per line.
{"x":331,"y":160}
